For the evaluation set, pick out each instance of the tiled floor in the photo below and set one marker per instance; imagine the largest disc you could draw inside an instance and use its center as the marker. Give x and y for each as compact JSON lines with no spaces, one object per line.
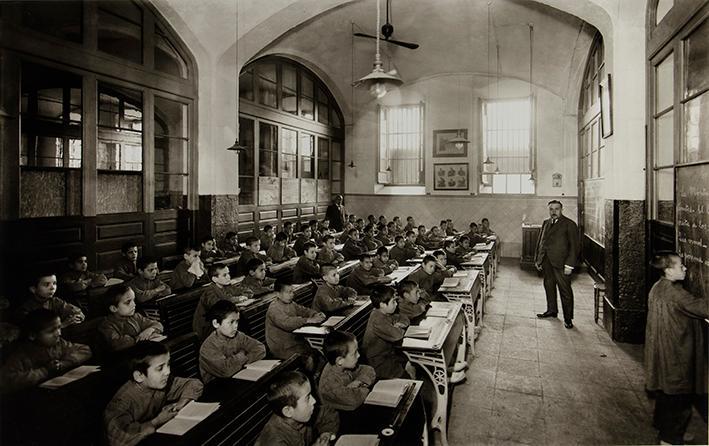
{"x":535,"y":382}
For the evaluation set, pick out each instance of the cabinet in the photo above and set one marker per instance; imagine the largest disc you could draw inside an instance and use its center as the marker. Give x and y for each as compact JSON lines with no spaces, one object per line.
{"x":530,"y":236}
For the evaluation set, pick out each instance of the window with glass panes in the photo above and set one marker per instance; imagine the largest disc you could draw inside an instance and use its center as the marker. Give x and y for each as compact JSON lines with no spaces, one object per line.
{"x":171,"y":154}
{"x":247,"y":173}
{"x":268,"y":150}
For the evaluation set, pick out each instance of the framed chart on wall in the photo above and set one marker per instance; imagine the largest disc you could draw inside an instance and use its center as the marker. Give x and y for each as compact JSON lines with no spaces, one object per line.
{"x":450,"y":176}
{"x":443,"y":148}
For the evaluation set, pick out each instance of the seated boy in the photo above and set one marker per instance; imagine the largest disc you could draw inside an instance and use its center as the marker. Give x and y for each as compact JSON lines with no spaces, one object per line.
{"x":344,"y":384}
{"x":426,"y":277}
{"x":397,"y":224}
{"x":42,"y":355}
{"x":331,"y":296}
{"x":383,"y":235}
{"x":124,"y":327}
{"x":443,"y":269}
{"x":434,"y":238}
{"x":385,"y":329}
{"x":307,"y":268}
{"x":463,"y":248}
{"x":304,"y":237}
{"x":485,"y":229}
{"x":256,"y":280}
{"x":288,"y":230}
{"x":289,"y":396}
{"x":450,"y":230}
{"x":208,"y":250}
{"x":79,"y":278}
{"x":282,"y":317}
{"x":353,"y":247}
{"x":383,"y":262}
{"x":226,"y":350}
{"x":126,"y":268}
{"x":413,"y":302}
{"x":267,"y":237}
{"x":359,"y":224}
{"x":42,"y":290}
{"x":371,"y":220}
{"x":410,"y":224}
{"x":324,"y":228}
{"x":422,"y":237}
{"x":146,"y":284}
{"x":220,"y":289}
{"x":399,"y":252}
{"x":365,"y":275}
{"x":452,"y":257}
{"x":474,"y":235}
{"x":411,"y":243}
{"x":189,"y":272}
{"x":370,"y":243}
{"x":382,"y":220}
{"x":150,"y":398}
{"x":345,"y":235}
{"x":315,"y":234}
{"x":327,"y":254}
{"x":231,"y":246}
{"x":280,"y":251}
{"x":252,"y":251}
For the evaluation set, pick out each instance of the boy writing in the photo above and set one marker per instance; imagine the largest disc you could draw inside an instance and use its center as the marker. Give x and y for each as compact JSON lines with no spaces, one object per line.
{"x":79,"y":278}
{"x":327,"y":254}
{"x":220,"y":289}
{"x":383,"y":262}
{"x":331,"y":296}
{"x":256,"y":280}
{"x":150,"y":398}
{"x":365,"y":275}
{"x":293,"y":406}
{"x":43,"y":288}
{"x":189,"y":272}
{"x":126,"y":267}
{"x":124,"y":327}
{"x":384,"y":330}
{"x":280,"y":251}
{"x":226,"y":350}
{"x":43,"y":354}
{"x":307,"y":268}
{"x":425,"y":277}
{"x":146,"y":284}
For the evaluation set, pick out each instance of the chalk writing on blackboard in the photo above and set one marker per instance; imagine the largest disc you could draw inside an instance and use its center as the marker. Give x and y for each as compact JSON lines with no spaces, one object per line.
{"x":692,"y":218}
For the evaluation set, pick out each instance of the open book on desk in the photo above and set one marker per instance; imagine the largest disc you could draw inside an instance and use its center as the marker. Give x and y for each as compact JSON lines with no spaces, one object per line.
{"x":70,"y":376}
{"x":255,"y":370}
{"x":357,"y":440}
{"x":438,"y":312}
{"x":450,"y":282}
{"x":388,"y":392}
{"x":332,"y":321}
{"x":188,"y":417}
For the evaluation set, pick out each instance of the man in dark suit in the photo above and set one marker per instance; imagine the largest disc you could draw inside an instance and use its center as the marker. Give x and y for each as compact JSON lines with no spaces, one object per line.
{"x":557,"y":252}
{"x":336,"y":213}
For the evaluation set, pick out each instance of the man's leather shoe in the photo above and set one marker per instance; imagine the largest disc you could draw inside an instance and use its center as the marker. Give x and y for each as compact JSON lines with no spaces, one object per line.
{"x":546,"y":314}
{"x":568,"y":324}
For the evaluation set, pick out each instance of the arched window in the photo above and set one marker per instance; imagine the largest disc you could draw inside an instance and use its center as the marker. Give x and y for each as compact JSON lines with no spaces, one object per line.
{"x":293,"y":129}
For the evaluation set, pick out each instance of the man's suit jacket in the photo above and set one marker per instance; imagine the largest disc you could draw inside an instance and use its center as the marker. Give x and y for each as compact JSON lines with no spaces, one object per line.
{"x":559,"y":242}
{"x":336,"y":216}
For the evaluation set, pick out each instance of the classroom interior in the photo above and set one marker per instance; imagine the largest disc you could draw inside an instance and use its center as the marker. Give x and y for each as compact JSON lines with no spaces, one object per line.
{"x":161,"y":122}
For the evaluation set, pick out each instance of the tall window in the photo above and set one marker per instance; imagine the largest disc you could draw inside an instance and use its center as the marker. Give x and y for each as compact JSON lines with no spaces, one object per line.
{"x":401,"y":144}
{"x":507,"y":148}
{"x":171,"y":149}
{"x":663,"y":125}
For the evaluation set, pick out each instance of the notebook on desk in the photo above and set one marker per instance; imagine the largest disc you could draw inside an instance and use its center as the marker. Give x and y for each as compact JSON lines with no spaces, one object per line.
{"x":255,"y":370}
{"x":418,"y":332}
{"x":113,"y":281}
{"x":70,"y":376}
{"x":188,"y":417}
{"x":388,"y":392}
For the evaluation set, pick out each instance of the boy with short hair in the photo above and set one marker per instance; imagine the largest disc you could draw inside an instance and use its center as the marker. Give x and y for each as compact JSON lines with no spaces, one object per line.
{"x":452,"y":257}
{"x":304,"y":237}
{"x":371,"y":220}
{"x":370,"y":243}
{"x":124,"y":327}
{"x":331,"y":296}
{"x":220,"y":289}
{"x":442,"y":267}
{"x":79,"y":278}
{"x":315,"y":234}
{"x":280,"y":251}
{"x":352,"y":218}
{"x":42,"y":355}
{"x":256,"y":280}
{"x":433,"y":238}
{"x":289,"y":396}
{"x":268,"y":235}
{"x":474,"y":235}
{"x":463,"y":248}
{"x":288,"y":231}
{"x":231,"y":246}
{"x":146,"y":284}
{"x":413,"y":303}
{"x":426,"y":277}
{"x":398,"y":225}
{"x":252,"y":251}
{"x":359,"y":224}
{"x":43,"y":287}
{"x":443,"y":226}
{"x":365,"y":275}
{"x":327,"y":254}
{"x":344,"y":384}
{"x":126,"y":268}
{"x":382,"y":220}
{"x":190,"y":271}
{"x":353,"y":247}
{"x":485,"y":229}
{"x":383,"y":262}
{"x":324,"y":228}
{"x":410,"y":224}
{"x":150,"y":398}
{"x":385,"y":329}
{"x":282,"y":317}
{"x":307,"y":268}
{"x":227,"y":350}
{"x":399,"y":252}
{"x":383,"y":235}
{"x":209,"y":252}
{"x":450,"y":230}
{"x":411,"y":243}
{"x":345,"y":235}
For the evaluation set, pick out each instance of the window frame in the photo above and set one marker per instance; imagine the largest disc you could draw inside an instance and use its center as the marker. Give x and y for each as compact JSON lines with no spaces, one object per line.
{"x":422,"y":147}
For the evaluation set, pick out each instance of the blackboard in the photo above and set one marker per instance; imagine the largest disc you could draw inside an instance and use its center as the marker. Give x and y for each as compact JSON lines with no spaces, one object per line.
{"x":692,"y":201}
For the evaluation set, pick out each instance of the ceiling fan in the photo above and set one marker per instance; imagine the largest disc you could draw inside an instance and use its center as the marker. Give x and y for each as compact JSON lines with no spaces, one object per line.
{"x":388,"y":31}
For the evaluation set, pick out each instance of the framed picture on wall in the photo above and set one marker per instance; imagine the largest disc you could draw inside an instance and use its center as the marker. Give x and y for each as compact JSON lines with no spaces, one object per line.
{"x":450,"y":176}
{"x":605,"y":92}
{"x":443,"y":148}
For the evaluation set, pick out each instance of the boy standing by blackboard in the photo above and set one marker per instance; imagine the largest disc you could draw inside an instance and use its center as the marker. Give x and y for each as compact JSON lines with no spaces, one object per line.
{"x":675,"y":354}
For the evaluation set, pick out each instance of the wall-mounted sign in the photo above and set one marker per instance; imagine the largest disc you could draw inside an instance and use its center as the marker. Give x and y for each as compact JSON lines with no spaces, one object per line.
{"x":556,"y":180}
